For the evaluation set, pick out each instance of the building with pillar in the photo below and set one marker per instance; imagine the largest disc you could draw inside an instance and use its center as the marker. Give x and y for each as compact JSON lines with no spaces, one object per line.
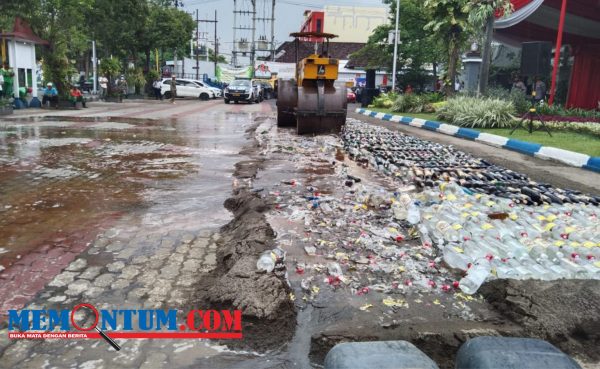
{"x":17,"y":50}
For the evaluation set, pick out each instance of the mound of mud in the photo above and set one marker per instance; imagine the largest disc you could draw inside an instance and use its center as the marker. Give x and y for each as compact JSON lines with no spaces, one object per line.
{"x":564,"y":312}
{"x":268,"y":314}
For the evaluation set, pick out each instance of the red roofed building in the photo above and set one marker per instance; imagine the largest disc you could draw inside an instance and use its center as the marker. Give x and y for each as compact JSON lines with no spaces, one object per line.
{"x":17,"y":49}
{"x":568,"y":22}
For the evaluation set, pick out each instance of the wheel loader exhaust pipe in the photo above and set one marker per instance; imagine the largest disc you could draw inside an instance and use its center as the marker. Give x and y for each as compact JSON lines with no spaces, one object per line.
{"x":313,"y":102}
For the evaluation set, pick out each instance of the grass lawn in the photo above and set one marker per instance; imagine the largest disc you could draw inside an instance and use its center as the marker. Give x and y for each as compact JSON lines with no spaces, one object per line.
{"x":578,"y":142}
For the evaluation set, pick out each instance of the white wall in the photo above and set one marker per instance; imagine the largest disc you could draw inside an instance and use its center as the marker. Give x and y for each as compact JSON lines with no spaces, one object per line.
{"x":22,"y":55}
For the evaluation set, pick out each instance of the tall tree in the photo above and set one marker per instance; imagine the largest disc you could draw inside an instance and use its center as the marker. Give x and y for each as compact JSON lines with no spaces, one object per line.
{"x":119,"y":25}
{"x":60,"y":22}
{"x":416,"y":50}
{"x":449,"y":24}
{"x":166,"y":28}
{"x":481,"y":15}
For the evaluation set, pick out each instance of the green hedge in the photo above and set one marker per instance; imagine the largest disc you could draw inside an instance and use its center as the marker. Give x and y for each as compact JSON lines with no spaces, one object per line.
{"x":478,"y":112}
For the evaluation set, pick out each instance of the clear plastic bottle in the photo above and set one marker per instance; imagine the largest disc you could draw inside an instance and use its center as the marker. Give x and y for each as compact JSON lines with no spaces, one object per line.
{"x":475,"y":277}
{"x":414,"y":214}
{"x":455,"y":259}
{"x":266,"y":261}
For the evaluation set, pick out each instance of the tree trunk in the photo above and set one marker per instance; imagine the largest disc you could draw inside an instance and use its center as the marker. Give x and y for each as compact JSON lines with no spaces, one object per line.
{"x":435,"y":76}
{"x":484,"y":73}
{"x":452,"y":62}
{"x":147,"y":52}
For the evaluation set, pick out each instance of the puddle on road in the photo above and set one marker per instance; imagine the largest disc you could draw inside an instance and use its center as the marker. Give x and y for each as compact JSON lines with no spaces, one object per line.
{"x":64,"y":176}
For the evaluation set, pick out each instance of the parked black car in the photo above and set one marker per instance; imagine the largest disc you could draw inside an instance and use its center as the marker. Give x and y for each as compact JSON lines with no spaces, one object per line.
{"x":267,"y":90}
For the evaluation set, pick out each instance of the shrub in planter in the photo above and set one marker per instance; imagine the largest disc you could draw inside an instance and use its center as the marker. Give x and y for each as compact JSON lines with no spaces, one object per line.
{"x":411,"y":103}
{"x":478,"y":112}
{"x":575,"y":115}
{"x":384,"y":101}
{"x":135,"y":78}
{"x":521,"y":101}
{"x":438,"y":105}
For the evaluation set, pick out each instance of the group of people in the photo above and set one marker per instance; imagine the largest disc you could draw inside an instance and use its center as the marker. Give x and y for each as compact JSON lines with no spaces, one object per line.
{"x":51,"y":96}
{"x":538,"y":89}
{"x":6,"y":81}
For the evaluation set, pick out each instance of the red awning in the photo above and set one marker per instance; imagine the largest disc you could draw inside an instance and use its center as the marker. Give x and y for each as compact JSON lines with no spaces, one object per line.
{"x":22,"y":32}
{"x":537,"y":20}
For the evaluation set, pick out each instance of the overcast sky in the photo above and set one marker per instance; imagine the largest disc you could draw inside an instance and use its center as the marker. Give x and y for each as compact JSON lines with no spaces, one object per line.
{"x":288,"y":17}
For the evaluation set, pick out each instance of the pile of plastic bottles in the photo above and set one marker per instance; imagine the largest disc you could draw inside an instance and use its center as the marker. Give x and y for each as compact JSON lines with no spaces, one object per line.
{"x":428,"y":164}
{"x":490,"y":237}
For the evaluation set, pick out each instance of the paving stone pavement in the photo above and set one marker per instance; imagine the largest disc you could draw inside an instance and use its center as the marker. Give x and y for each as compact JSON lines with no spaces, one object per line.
{"x":158,"y":208}
{"x":162,"y":280}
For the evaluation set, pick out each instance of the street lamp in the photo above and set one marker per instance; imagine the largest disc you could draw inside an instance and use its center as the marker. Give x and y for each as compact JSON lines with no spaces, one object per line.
{"x":395,"y":46}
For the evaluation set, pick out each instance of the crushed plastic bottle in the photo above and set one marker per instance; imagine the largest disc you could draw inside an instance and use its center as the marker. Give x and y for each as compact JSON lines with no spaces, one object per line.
{"x":334,"y":269}
{"x":268,"y":260}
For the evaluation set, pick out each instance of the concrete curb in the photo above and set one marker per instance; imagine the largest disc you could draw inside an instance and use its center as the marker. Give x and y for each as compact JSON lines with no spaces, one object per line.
{"x":543,"y":152}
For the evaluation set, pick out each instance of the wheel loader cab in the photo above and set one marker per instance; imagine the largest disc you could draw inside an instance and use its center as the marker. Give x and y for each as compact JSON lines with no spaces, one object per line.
{"x":314,"y":102}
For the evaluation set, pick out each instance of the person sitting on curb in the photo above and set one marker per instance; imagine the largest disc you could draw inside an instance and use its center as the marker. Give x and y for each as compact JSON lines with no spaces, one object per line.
{"x":76,"y":96}
{"x":50,"y":95}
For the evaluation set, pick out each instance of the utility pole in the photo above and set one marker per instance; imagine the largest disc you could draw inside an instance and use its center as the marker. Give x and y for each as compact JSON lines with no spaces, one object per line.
{"x":253,"y":45}
{"x":216,"y":49}
{"x":216,"y":45}
{"x":197,"y":46}
{"x":175,"y":51}
{"x":273,"y":31}
{"x":395,"y":46}
{"x":94,"y":68}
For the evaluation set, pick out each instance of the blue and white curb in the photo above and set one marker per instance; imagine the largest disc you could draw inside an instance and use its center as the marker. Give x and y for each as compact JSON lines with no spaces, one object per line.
{"x":528,"y":148}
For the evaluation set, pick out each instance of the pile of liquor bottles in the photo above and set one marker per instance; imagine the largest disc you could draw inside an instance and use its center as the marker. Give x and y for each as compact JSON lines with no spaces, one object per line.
{"x":489,"y":237}
{"x":430,"y":164}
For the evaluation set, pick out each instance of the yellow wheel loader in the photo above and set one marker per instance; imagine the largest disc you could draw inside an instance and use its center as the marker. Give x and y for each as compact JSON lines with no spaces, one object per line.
{"x":313,"y":102}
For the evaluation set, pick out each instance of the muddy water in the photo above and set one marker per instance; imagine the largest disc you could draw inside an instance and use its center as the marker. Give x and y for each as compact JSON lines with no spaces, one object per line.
{"x":64,"y":178}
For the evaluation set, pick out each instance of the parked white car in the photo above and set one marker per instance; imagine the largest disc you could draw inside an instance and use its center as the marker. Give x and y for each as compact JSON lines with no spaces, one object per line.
{"x":186,"y":88}
{"x":216,"y":91}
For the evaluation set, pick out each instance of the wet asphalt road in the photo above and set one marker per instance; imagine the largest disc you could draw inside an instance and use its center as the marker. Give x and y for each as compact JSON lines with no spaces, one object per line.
{"x":128,"y":198}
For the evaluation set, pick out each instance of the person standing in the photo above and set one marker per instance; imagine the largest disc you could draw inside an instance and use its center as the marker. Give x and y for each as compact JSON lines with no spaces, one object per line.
{"x":540,"y":90}
{"x":173,"y":89}
{"x":103,"y":82}
{"x":518,"y":85}
{"x":8,"y":81}
{"x":156,"y":86}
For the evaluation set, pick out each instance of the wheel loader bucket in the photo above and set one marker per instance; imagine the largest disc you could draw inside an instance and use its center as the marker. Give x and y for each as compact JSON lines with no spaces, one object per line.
{"x":321,"y":108}
{"x":287,"y":99}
